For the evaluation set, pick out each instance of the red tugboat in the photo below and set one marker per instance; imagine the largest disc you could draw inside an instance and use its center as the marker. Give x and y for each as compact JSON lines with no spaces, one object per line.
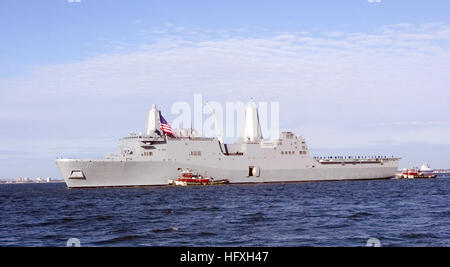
{"x":188,"y":178}
{"x":410,"y":173}
{"x":416,"y":173}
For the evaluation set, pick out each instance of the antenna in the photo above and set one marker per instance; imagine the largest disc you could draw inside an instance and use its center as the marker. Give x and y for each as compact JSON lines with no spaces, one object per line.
{"x":216,"y":123}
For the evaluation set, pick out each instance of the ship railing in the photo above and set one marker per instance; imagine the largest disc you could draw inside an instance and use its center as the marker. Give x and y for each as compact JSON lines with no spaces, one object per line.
{"x":353,"y":159}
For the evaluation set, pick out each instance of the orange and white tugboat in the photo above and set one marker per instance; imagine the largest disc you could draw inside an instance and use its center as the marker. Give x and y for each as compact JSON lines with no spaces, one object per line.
{"x":425,"y":172}
{"x":189,"y":178}
{"x":410,"y":173}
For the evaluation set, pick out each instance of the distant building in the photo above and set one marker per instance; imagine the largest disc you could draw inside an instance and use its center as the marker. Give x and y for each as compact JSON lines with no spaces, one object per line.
{"x":49,"y":179}
{"x":39,"y":180}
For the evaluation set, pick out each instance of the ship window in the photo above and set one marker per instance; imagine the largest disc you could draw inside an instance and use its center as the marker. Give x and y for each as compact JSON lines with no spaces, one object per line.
{"x":196,"y":153}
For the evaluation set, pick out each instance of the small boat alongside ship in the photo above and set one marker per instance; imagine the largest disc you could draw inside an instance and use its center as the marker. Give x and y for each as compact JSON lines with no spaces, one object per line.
{"x":425,"y":172}
{"x":189,"y":178}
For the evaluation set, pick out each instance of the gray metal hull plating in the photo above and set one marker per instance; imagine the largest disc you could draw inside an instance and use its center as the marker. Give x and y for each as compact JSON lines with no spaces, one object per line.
{"x":144,"y":173}
{"x":153,"y":160}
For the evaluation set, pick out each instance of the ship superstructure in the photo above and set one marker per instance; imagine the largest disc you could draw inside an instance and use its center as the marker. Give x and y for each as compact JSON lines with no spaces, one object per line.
{"x":155,"y":157}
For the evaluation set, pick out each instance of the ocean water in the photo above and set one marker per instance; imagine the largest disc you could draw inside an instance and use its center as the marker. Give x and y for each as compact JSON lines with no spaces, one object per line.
{"x":397,"y":212}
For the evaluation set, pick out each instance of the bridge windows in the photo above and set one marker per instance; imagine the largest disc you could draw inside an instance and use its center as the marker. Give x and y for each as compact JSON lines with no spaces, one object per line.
{"x":147,"y":154}
{"x":288,"y":153}
{"x":195,"y":153}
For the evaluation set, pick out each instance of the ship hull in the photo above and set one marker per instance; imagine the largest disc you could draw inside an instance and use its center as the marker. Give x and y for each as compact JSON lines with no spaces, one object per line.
{"x":111,"y":173}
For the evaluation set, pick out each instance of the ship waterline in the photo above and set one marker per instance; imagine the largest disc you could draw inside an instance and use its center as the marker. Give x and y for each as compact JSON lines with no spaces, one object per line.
{"x":155,"y":158}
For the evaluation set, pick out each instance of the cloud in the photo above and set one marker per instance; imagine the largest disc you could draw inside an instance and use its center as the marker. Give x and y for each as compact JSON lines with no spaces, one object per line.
{"x":195,"y":62}
{"x":374,"y":1}
{"x":396,"y":62}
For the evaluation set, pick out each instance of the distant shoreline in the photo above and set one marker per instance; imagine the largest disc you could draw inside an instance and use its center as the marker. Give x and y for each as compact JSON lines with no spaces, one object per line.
{"x":32,"y":182}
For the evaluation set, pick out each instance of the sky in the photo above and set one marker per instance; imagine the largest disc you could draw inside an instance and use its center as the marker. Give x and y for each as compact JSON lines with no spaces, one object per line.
{"x":354,"y":77}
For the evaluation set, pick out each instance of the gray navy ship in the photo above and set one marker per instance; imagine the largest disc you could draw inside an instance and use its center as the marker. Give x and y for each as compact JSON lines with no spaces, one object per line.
{"x":160,"y":154}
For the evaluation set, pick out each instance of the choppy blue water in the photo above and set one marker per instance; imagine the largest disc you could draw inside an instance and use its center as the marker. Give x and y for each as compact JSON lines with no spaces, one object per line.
{"x":398,"y":213}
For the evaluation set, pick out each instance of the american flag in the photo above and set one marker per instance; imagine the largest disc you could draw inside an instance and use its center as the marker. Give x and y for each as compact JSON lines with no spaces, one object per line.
{"x":165,"y":127}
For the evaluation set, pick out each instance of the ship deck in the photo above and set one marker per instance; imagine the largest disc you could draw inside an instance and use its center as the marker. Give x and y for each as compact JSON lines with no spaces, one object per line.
{"x":352,"y":160}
